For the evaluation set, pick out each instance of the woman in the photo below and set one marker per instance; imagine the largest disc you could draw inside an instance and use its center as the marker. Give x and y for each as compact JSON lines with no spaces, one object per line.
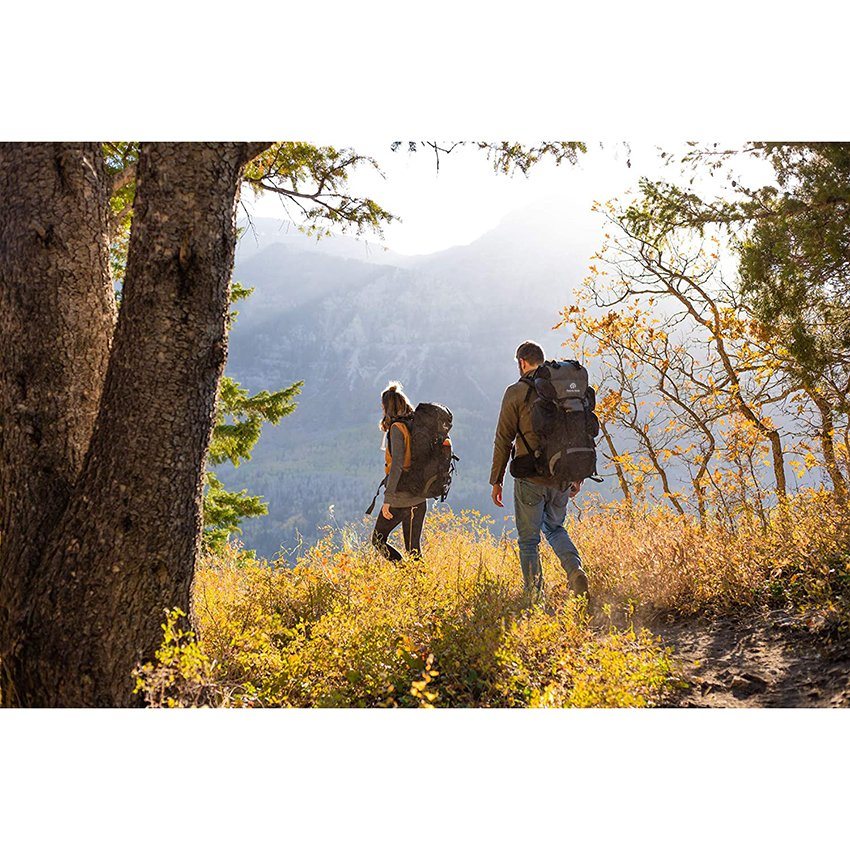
{"x":399,"y":508}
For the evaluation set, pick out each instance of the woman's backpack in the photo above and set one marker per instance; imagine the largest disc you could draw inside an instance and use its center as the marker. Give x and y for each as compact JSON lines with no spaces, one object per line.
{"x":432,"y":462}
{"x":431,"y":458}
{"x":563,"y":419}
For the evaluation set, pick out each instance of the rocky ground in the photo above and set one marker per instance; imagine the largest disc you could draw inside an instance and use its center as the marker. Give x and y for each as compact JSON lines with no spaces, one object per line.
{"x":760,"y":659}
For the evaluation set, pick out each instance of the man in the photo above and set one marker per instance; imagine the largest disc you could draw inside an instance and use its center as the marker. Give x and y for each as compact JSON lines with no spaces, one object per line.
{"x":540,"y":503}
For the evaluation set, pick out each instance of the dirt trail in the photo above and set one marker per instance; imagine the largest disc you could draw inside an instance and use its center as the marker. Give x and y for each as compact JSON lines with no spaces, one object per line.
{"x":759,"y":659}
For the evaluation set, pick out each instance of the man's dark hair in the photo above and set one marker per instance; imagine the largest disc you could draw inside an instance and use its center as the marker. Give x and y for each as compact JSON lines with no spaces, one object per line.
{"x":531,"y":352}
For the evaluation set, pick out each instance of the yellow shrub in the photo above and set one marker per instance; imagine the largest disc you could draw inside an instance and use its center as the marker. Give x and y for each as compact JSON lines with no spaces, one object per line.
{"x":344,"y":627}
{"x":655,"y":560}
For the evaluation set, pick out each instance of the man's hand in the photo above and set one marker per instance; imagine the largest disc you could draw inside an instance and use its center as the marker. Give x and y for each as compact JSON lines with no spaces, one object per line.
{"x":386,"y":513}
{"x":573,"y":489}
{"x":497,"y":495}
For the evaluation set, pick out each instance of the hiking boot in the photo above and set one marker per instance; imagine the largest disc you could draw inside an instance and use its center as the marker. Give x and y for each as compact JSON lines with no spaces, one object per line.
{"x":578,"y":582}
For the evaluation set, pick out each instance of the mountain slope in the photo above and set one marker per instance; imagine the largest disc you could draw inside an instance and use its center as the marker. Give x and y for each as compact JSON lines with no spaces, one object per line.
{"x":446,"y":325}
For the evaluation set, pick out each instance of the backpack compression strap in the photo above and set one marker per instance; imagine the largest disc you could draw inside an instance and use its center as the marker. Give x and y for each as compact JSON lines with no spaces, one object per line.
{"x":525,"y":443}
{"x":375,"y":498}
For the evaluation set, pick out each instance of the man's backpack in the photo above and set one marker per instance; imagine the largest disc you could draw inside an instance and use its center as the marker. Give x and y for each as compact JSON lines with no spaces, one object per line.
{"x":562,"y":416}
{"x":431,"y":460}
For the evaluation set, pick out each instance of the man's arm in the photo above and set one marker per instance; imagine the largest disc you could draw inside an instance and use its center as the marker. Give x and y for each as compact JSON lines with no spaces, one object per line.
{"x":506,"y":431}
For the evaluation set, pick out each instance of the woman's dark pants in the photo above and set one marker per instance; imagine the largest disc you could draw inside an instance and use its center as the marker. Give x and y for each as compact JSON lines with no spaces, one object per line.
{"x":411,"y":520}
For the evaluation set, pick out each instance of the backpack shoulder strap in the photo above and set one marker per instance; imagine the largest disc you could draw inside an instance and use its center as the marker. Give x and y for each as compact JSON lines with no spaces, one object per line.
{"x":527,"y":379}
{"x":404,"y":427}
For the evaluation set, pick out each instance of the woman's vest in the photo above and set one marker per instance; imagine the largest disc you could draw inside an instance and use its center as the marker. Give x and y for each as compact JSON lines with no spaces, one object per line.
{"x":388,"y":458}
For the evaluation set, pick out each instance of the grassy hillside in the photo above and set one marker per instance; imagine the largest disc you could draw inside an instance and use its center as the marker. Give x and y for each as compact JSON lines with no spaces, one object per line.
{"x":342,"y":627}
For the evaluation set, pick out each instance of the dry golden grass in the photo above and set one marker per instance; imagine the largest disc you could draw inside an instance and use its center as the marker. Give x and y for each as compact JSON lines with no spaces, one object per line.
{"x":343,"y":627}
{"x":657,"y":561}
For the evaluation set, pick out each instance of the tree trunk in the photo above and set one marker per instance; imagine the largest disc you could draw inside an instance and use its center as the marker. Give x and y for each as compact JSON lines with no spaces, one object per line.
{"x":126,"y":545}
{"x":700,"y":423}
{"x":699,"y":492}
{"x":762,"y":514}
{"x":845,"y":446}
{"x":772,"y":434}
{"x":699,"y":485}
{"x":665,"y":482}
{"x":57,"y":314}
{"x":778,"y":463}
{"x":621,"y":475}
{"x":827,"y":442}
{"x":714,"y":326}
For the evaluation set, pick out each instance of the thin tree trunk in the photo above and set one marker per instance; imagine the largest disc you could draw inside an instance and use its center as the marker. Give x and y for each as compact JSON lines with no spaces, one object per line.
{"x":846,"y":448}
{"x":699,"y":492}
{"x":727,"y":511}
{"x":826,"y":434}
{"x":57,"y":314}
{"x":699,"y":487}
{"x":778,"y":463}
{"x":126,"y":546}
{"x":757,"y":491}
{"x":665,"y":483}
{"x":714,"y":327}
{"x":621,"y":475}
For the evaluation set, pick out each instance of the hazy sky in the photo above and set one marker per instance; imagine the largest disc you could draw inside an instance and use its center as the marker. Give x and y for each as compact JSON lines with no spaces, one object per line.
{"x":465,"y":199}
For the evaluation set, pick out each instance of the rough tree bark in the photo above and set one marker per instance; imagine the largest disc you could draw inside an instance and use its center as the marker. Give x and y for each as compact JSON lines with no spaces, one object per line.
{"x":125,"y":546}
{"x":57,"y":314}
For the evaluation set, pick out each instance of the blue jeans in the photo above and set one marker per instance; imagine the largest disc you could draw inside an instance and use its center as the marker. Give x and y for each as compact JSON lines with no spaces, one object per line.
{"x":542,"y":508}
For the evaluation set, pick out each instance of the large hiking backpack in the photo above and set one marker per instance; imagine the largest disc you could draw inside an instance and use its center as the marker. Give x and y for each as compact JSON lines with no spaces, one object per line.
{"x":431,"y":460}
{"x":564,"y":422}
